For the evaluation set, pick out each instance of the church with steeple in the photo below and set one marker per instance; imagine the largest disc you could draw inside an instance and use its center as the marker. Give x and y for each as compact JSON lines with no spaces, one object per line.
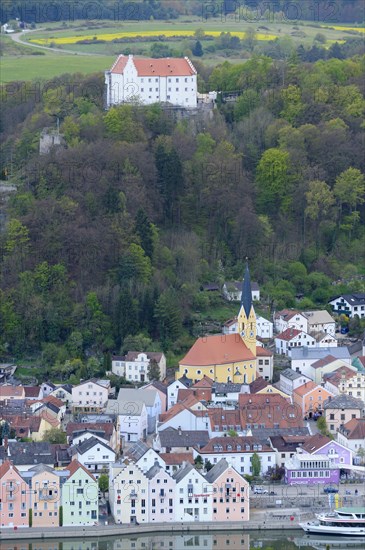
{"x":226,"y":357}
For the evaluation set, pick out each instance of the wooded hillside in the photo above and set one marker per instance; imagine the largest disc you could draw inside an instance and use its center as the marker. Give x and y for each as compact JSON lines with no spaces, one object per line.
{"x":115,"y":234}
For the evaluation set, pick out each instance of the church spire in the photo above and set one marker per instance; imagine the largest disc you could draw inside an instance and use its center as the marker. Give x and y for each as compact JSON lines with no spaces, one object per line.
{"x":246,"y":297}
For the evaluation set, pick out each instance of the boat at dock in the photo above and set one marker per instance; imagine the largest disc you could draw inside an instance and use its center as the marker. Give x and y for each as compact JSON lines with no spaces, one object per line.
{"x":342,"y":521}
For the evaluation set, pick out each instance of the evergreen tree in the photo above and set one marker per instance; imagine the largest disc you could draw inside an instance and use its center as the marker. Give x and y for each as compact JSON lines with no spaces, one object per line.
{"x":127,"y":316}
{"x":143,"y":228}
{"x":256,"y":465}
{"x":198,"y":49}
{"x":168,"y":315}
{"x":153,"y":371}
{"x":170,"y":179}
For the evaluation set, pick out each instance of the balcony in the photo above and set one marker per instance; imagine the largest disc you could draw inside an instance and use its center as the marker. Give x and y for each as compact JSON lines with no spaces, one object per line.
{"x":44,"y":495}
{"x":10,"y":496}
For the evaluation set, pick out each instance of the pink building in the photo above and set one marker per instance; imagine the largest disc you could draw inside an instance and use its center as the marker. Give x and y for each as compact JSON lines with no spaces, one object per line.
{"x":14,"y":509}
{"x":161,"y":495}
{"x":230,"y":492}
{"x":46,"y":496}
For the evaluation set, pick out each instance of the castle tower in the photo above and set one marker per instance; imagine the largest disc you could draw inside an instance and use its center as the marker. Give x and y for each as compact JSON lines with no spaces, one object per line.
{"x":247,"y":317}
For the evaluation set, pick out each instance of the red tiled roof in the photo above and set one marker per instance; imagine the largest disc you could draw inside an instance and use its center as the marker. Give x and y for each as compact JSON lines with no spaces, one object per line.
{"x":338,"y":375}
{"x":172,"y":459}
{"x":6,"y":466}
{"x":217,"y":350}
{"x":169,"y":66}
{"x":199,"y":394}
{"x":49,"y":399}
{"x":287,"y":314}
{"x":305,"y":388}
{"x":323,"y":362}
{"x":205,"y":382}
{"x":31,"y":391}
{"x":230,"y":322}
{"x":163,"y":67}
{"x":315,"y":442}
{"x":263,"y":352}
{"x":75,"y":465}
{"x":288,"y":334}
{"x":9,"y":391}
{"x":258,"y":384}
{"x":229,"y":445}
{"x":119,"y":65}
{"x":355,"y":428}
{"x":179,"y":407}
{"x":23,"y":425}
{"x":106,"y":427}
{"x":272,"y":410}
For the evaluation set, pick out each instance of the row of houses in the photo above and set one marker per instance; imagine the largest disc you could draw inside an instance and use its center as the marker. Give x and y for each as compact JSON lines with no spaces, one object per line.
{"x":46,"y":497}
{"x":138,"y":495}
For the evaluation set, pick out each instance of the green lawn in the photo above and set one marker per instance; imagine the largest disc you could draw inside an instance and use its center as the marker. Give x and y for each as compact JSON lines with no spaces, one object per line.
{"x":29,"y":67}
{"x":17,"y":66}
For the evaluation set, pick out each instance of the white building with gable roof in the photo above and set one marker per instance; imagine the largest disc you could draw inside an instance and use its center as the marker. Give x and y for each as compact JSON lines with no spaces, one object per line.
{"x":148,"y":80}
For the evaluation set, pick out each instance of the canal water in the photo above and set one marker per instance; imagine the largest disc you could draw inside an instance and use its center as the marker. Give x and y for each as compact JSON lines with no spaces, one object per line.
{"x":265,"y":540}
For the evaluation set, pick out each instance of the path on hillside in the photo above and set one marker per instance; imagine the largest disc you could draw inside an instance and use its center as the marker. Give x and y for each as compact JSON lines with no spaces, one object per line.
{"x":16,"y":38}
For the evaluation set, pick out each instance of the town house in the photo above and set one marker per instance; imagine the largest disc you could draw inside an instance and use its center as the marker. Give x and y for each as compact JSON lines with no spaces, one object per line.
{"x":321,"y":444}
{"x":290,"y":380}
{"x":238,"y":451}
{"x":89,"y":397}
{"x":230,"y":493}
{"x":45,"y":485}
{"x":349,"y":304}
{"x":320,"y":321}
{"x":308,"y":360}
{"x":128,"y":493}
{"x":352,"y":436}
{"x":161,"y":494}
{"x":131,"y":417}
{"x":288,"y":318}
{"x":94,"y":455}
{"x":342,"y":409}
{"x":151,"y":399}
{"x":80,"y":496}
{"x":134,"y":366}
{"x":192,"y":496}
{"x":310,"y":397}
{"x":14,"y":497}
{"x":305,"y":469}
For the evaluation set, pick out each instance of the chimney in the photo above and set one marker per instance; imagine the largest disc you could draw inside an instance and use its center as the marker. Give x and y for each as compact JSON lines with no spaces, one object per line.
{"x":179,"y":429}
{"x":6,"y":443}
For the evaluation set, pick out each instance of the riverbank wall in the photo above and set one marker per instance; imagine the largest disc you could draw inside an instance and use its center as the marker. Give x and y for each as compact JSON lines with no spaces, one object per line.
{"x":99,"y":531}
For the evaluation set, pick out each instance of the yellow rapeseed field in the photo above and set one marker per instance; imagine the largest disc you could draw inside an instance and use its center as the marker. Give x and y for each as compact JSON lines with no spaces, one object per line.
{"x":340,"y":28}
{"x":146,"y":34}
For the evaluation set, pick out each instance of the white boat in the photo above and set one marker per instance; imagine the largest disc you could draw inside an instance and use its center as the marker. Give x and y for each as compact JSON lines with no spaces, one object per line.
{"x":342,"y":521}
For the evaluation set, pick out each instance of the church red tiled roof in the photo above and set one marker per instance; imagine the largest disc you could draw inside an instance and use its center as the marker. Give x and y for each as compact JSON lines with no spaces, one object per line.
{"x":218,"y":349}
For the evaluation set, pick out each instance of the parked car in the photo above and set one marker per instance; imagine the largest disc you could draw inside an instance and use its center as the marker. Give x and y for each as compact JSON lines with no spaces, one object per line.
{"x":330,"y":490}
{"x":260,"y":491}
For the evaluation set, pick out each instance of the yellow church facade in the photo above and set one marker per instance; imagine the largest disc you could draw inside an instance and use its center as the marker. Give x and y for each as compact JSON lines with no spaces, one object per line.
{"x":226,"y":358}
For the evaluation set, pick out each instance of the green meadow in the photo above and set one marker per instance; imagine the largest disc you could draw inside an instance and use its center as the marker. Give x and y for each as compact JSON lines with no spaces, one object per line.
{"x":29,"y":67}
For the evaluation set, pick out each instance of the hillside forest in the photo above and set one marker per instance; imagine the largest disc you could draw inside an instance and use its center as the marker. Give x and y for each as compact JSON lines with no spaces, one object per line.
{"x":109,"y":239}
